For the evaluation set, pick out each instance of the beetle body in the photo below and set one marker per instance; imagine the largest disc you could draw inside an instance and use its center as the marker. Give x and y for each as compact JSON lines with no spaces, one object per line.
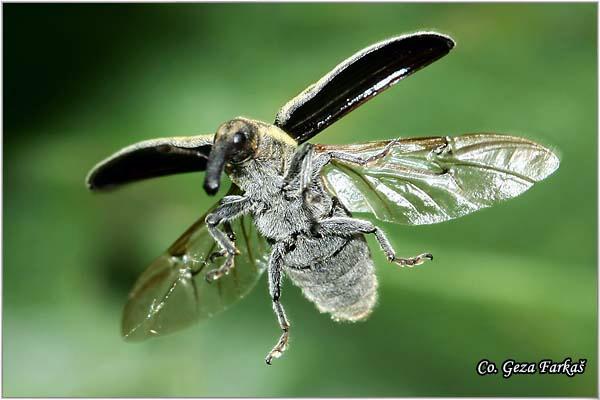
{"x":290,"y":207}
{"x":335,"y":272}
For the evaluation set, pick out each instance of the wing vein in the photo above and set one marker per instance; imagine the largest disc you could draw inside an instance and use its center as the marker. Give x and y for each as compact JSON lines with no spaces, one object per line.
{"x":369,"y":184}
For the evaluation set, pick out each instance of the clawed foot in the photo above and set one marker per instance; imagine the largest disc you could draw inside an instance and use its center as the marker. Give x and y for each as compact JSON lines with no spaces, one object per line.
{"x":411,"y":262}
{"x":227,"y":266}
{"x":386,"y":150}
{"x":215,"y":255}
{"x":279,"y":348}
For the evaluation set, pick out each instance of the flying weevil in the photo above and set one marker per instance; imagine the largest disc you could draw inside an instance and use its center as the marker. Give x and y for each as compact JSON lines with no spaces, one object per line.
{"x":289,"y":209}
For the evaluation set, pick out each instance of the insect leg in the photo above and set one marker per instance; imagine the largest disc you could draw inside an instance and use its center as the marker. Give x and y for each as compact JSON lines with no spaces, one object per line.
{"x":296,"y":163}
{"x":354,"y":159}
{"x":275,"y":271}
{"x":231,"y":235}
{"x":308,"y":167}
{"x":230,"y":208}
{"x":344,"y":226}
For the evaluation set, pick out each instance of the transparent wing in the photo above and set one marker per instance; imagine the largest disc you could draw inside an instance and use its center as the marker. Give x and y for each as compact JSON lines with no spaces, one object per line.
{"x":430,"y":180}
{"x":173,"y":292}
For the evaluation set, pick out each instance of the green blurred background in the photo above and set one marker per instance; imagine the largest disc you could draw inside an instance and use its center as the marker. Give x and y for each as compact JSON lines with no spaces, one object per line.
{"x":515,"y":281}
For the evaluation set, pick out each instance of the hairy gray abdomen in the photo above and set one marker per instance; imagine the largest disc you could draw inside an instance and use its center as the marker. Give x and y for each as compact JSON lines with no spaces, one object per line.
{"x":343,"y":283}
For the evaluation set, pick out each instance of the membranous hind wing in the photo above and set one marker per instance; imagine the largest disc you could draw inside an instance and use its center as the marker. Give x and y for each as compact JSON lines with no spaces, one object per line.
{"x":173,"y":292}
{"x":435,"y":179}
{"x":358,"y":79}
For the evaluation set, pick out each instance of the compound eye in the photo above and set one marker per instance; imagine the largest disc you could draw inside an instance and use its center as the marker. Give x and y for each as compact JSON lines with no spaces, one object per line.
{"x":240,"y":144}
{"x":239,"y":139}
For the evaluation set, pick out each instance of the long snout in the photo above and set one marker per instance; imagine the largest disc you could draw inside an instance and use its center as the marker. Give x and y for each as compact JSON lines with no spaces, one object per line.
{"x":219,"y":155}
